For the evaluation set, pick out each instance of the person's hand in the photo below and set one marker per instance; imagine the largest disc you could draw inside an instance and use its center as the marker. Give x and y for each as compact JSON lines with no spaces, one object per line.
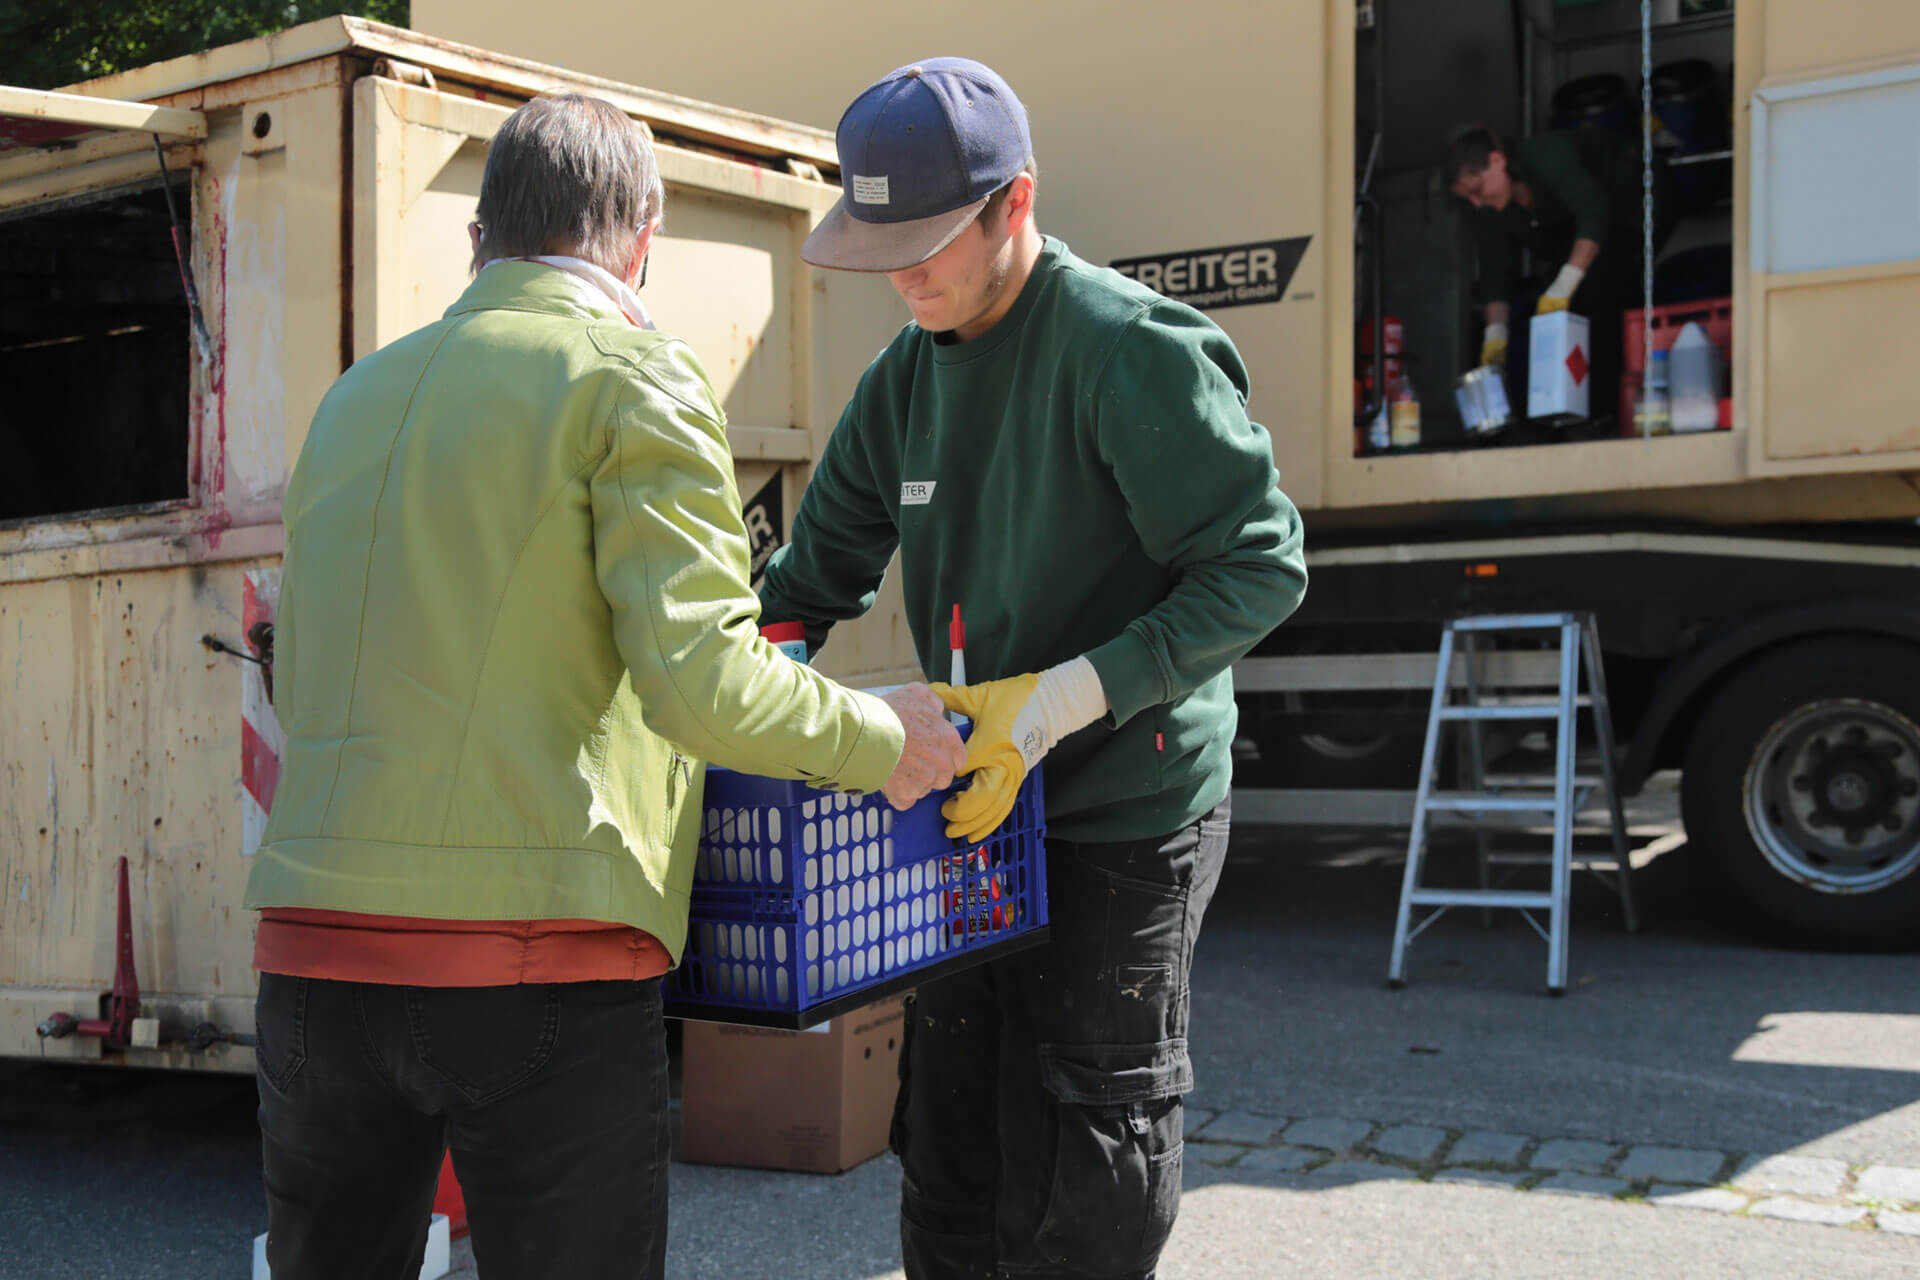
{"x":1015,"y":722}
{"x":1559,"y":294}
{"x":933,"y":753}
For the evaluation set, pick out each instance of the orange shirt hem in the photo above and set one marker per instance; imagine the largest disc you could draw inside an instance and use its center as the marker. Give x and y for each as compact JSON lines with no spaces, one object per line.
{"x":347,"y":946}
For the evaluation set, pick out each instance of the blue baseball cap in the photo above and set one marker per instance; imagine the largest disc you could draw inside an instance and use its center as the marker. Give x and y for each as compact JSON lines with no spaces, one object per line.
{"x":920,"y":152}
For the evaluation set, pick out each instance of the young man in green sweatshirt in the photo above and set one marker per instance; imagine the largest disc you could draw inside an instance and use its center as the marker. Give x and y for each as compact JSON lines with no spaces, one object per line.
{"x":1067,"y":456}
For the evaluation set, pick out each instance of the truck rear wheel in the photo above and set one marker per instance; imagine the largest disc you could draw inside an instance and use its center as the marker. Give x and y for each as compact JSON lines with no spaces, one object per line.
{"x":1801,"y":794}
{"x":1307,"y":755}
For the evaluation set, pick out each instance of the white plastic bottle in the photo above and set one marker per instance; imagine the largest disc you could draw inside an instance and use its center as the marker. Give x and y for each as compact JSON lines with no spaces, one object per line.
{"x":1695,"y":392}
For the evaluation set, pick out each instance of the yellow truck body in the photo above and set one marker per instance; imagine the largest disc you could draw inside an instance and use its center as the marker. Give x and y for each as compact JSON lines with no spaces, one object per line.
{"x":1231,"y":122}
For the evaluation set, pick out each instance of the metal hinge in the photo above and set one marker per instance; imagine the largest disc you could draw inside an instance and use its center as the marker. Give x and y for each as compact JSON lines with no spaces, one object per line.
{"x":404,"y":72}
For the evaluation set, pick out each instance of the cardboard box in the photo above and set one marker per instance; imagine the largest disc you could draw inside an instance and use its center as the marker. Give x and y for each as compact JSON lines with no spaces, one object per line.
{"x":1559,"y":367}
{"x":817,"y":1101}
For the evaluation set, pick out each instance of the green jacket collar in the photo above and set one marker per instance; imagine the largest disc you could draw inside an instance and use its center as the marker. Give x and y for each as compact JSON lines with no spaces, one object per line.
{"x":532,"y":286}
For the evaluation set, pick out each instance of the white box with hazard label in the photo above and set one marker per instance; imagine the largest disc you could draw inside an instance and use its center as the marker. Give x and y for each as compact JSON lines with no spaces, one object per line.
{"x":1559,"y":367}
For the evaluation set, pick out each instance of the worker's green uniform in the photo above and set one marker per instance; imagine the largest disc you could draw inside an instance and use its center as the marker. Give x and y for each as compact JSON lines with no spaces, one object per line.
{"x":1585,"y":184}
{"x":1080,"y":479}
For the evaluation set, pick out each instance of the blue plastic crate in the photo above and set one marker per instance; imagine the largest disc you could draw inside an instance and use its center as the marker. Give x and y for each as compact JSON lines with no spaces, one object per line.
{"x":809,"y":902}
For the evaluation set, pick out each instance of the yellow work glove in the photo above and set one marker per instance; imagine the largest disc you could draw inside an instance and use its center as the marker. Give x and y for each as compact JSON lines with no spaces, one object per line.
{"x":1493,"y":349}
{"x":1549,"y":305}
{"x":997,"y":765}
{"x":1016,"y":721}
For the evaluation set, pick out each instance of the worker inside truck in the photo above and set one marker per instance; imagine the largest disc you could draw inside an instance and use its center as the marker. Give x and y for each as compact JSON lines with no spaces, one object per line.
{"x":1571,"y":200}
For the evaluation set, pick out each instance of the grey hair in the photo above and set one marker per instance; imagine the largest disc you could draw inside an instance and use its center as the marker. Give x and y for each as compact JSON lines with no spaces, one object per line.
{"x":567,"y":174}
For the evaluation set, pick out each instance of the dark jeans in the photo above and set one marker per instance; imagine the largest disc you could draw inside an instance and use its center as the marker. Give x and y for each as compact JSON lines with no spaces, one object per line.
{"x":1039,"y":1122}
{"x":553,"y":1098}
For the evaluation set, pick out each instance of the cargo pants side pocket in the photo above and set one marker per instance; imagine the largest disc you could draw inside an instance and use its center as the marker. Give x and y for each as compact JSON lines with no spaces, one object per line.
{"x":1117,"y":1154}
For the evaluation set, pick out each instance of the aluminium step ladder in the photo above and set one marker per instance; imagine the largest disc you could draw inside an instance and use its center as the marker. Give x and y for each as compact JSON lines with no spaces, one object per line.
{"x":1560,"y":795}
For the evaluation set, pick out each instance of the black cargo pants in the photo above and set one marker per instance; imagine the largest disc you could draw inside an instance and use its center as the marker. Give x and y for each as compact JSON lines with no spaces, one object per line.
{"x":1039,"y":1121}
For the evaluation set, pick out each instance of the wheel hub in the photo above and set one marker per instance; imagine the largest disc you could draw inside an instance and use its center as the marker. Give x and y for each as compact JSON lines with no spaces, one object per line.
{"x":1833,"y":796}
{"x":1849,"y":793}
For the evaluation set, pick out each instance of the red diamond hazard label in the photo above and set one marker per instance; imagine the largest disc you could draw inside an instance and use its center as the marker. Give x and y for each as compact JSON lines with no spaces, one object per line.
{"x":1577,"y":365}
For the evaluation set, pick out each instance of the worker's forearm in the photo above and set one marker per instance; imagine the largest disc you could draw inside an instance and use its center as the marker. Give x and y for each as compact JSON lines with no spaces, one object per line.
{"x":1584,"y":252}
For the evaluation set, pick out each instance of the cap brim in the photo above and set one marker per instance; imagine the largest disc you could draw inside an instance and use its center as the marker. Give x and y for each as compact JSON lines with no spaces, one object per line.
{"x":844,"y":243}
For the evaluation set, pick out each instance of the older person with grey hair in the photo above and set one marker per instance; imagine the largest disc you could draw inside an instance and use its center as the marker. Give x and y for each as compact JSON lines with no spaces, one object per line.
{"x":514,"y":619}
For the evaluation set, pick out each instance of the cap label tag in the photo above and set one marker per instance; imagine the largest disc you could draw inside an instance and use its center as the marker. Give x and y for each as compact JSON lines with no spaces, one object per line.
{"x":868,"y":190}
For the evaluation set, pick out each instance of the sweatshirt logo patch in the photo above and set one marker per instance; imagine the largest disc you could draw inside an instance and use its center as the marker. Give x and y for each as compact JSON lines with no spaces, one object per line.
{"x":916,"y":493}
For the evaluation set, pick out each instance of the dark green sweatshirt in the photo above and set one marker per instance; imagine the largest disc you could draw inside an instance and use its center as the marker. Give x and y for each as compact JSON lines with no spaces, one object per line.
{"x":1082,"y":478}
{"x":1585,"y":185}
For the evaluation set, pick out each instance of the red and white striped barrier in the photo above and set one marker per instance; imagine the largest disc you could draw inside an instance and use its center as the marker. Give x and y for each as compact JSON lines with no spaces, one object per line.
{"x":261,"y":742}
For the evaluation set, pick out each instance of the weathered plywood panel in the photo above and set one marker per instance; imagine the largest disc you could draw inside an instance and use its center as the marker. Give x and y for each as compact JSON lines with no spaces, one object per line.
{"x":120,"y":736}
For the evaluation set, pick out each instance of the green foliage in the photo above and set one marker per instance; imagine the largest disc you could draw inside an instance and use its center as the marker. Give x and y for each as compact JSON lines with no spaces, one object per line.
{"x":48,"y":43}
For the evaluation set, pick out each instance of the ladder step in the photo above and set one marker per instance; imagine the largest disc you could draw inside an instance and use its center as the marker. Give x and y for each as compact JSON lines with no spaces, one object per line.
{"x":1514,"y":622}
{"x":1578,"y":861}
{"x":1580,"y":780}
{"x":1479,"y":898}
{"x":1476,"y":802}
{"x":1545,"y":709}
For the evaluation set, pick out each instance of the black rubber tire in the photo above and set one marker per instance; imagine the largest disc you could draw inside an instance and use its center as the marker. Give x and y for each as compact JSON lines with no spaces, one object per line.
{"x":1731,"y":867}
{"x":1392,"y":764}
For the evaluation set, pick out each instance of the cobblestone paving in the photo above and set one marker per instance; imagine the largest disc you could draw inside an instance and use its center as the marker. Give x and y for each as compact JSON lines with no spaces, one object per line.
{"x":1748,"y":1184}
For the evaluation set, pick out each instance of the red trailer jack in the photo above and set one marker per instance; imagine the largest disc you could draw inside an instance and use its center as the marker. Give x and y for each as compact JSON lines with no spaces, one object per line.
{"x":117,"y":1030}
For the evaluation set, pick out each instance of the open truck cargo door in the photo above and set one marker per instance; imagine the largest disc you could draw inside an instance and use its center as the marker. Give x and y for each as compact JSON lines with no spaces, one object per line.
{"x":1833,"y":254}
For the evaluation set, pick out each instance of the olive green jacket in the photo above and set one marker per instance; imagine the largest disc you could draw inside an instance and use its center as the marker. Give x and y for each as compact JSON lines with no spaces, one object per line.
{"x":515,"y":614}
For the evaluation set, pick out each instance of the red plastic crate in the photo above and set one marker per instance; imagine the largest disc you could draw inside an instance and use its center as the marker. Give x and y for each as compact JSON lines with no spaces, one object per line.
{"x":1715,"y":315}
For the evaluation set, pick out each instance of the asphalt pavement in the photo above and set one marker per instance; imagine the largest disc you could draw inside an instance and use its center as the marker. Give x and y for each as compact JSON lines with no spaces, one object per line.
{"x":1687,"y":1036}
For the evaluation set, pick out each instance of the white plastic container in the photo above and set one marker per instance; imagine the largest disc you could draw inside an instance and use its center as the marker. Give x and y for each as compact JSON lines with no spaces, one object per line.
{"x":1694,"y":377}
{"x":1482,"y":397}
{"x":1558,"y":367}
